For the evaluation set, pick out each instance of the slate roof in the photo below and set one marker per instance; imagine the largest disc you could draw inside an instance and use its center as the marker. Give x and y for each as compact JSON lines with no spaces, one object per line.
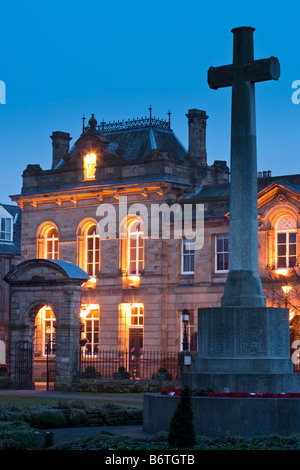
{"x":221,"y":193}
{"x":72,"y":270}
{"x":14,"y":247}
{"x":137,"y":144}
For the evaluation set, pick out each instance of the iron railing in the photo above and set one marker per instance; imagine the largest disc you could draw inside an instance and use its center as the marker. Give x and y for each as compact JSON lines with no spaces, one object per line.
{"x":138,"y":123}
{"x":116,"y":364}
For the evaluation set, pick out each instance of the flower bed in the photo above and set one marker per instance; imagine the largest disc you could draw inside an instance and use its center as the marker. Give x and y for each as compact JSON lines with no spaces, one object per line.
{"x":172,"y":392}
{"x":176,"y":392}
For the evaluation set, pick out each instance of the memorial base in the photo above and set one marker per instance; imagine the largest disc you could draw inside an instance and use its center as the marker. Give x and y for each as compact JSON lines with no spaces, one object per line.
{"x":243,"y":349}
{"x":217,"y":417}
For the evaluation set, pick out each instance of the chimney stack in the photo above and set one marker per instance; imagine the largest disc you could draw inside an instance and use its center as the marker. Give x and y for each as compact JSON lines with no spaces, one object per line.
{"x":197,"y":135}
{"x":60,"y":146}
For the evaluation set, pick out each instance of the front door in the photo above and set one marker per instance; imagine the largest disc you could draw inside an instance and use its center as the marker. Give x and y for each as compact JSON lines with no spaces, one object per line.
{"x":135,"y":351}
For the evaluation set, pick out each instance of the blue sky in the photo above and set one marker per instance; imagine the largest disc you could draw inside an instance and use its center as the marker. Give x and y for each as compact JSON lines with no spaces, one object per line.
{"x":63,"y":59}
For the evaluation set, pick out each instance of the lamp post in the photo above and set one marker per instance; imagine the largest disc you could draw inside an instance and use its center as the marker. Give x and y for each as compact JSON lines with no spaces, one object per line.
{"x":286,"y":289}
{"x":185,"y":321}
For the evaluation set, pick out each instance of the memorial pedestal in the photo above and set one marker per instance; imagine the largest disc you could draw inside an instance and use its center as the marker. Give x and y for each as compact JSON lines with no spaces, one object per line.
{"x":243,"y":349}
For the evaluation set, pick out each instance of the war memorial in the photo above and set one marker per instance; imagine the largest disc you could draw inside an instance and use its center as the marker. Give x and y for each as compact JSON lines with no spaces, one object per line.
{"x":243,"y":346}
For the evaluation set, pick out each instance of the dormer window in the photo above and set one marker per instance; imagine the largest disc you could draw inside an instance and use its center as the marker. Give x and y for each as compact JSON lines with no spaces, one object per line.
{"x":6,"y":225}
{"x":89,"y":166}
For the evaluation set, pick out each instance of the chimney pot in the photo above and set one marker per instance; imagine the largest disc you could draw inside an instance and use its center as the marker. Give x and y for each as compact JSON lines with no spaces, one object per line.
{"x":60,"y":146}
{"x":197,"y":135}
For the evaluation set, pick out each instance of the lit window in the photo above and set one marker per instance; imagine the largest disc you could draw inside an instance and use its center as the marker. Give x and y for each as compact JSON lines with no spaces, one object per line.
{"x":51,"y":243}
{"x":286,"y":238}
{"x":45,"y":332}
{"x":135,"y":248}
{"x":90,"y":315}
{"x":187,"y":256}
{"x":6,"y":229}
{"x":89,"y":166}
{"x":92,"y":251}
{"x":136,"y":315}
{"x":221,"y":254}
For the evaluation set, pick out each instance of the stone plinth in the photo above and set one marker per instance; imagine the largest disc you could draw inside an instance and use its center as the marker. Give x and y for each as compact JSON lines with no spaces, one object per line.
{"x":244,"y":349}
{"x":216,"y":417}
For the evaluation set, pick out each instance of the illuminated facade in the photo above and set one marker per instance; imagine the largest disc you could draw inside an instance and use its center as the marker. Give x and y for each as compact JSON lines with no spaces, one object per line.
{"x":138,"y":286}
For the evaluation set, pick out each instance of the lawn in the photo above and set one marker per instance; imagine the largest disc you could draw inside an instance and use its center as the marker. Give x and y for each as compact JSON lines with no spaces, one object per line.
{"x":93,"y":400}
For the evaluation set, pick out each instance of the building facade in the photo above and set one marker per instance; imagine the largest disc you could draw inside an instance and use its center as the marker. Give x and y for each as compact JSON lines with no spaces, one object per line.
{"x":94,"y":209}
{"x":10,"y":255}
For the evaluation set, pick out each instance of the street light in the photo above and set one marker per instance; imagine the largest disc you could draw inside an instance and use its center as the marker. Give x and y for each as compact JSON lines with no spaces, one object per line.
{"x":286,"y":289}
{"x":185,"y":321}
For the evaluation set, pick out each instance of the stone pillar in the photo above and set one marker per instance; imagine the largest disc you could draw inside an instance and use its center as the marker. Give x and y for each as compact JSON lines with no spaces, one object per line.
{"x":67,"y":339}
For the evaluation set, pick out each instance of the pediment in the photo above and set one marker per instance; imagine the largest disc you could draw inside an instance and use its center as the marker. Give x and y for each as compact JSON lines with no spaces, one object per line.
{"x":278,"y":193}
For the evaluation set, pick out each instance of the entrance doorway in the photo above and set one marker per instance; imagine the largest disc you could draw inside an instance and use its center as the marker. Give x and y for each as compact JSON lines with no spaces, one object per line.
{"x":135,"y":351}
{"x":44,"y":345}
{"x":136,"y":338}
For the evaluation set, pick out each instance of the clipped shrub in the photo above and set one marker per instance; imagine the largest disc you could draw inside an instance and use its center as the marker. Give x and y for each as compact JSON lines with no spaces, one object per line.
{"x":49,"y":418}
{"x":90,"y":370}
{"x":78,"y":417}
{"x":17,"y":436}
{"x":181,"y":431}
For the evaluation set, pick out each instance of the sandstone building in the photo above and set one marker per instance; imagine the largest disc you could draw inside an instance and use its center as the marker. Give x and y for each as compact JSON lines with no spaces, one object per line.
{"x":127,"y":291}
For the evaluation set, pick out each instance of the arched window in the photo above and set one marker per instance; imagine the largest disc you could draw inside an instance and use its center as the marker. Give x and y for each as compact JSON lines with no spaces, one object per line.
{"x":45,"y":335}
{"x":89,"y":247}
{"x":92,"y":251}
{"x":48,"y":241}
{"x":135,"y":248}
{"x":286,"y":242}
{"x":51,"y":244}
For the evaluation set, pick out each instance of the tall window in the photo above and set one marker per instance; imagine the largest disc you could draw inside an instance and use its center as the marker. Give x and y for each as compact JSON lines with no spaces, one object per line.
{"x":45,"y":332}
{"x":51,"y":244}
{"x":221,"y":254}
{"x":6,"y":229}
{"x":89,"y":166}
{"x":135,"y":244}
{"x":92,"y":251}
{"x":90,"y":315}
{"x":48,"y":241}
{"x":187,"y":256}
{"x":286,"y":236}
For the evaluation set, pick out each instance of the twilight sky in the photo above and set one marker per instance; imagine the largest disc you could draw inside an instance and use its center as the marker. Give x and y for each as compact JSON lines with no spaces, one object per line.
{"x":62,"y":59}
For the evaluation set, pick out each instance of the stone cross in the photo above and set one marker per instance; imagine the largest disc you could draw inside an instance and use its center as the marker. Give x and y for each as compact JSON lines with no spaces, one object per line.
{"x":243,"y":286}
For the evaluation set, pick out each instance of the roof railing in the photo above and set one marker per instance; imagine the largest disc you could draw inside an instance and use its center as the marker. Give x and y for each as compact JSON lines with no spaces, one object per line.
{"x":138,"y":123}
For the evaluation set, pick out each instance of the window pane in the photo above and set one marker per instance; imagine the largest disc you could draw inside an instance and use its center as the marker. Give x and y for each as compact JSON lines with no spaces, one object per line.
{"x":219,"y":244}
{"x":8,"y":225}
{"x":281,"y":250}
{"x":281,"y":262}
{"x":292,"y":237}
{"x":226,"y":244}
{"x":281,"y":237}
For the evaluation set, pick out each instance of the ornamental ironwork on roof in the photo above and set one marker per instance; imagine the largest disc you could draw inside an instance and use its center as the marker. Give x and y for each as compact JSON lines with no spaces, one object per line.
{"x":138,"y":123}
